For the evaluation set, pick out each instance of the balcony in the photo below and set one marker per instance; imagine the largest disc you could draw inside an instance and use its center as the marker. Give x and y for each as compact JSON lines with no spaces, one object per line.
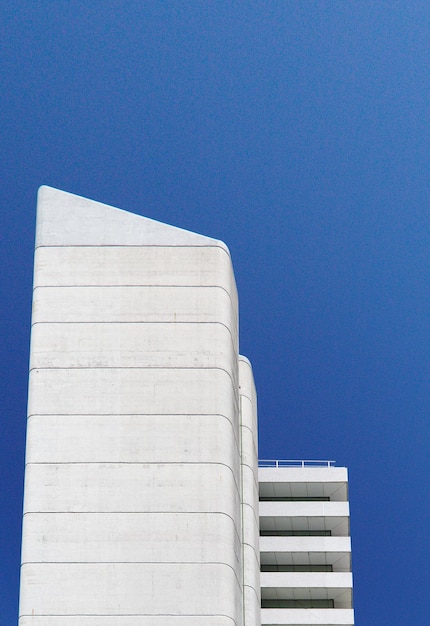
{"x":295,"y":518}
{"x":319,"y":586}
{"x":303,"y":481}
{"x":313,"y":551}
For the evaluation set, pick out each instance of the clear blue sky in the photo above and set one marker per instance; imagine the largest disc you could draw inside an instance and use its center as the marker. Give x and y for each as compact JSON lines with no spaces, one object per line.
{"x":298,"y":133}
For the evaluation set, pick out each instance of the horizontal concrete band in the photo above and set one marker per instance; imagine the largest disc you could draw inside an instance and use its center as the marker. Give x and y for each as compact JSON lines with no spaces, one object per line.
{"x":128,"y":303}
{"x":249,"y":482}
{"x":131,"y":537}
{"x":249,"y":447}
{"x":248,"y":415}
{"x":247,"y":378}
{"x":253,"y":591}
{"x":150,"y":374}
{"x":251,"y":567}
{"x":126,"y":620}
{"x":252,"y":607}
{"x":131,"y":439}
{"x":132,"y":391}
{"x":139,"y":265}
{"x":306,"y":617}
{"x":307,"y":509}
{"x":111,"y":344}
{"x":131,"y":588}
{"x":292,"y":475}
{"x":250,"y":523}
{"x":131,"y":488}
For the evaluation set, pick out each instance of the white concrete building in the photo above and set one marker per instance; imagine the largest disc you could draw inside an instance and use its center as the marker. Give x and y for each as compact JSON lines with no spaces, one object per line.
{"x":141,"y":484}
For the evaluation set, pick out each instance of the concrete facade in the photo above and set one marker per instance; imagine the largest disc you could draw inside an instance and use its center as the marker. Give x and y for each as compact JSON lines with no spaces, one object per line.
{"x":141,"y":501}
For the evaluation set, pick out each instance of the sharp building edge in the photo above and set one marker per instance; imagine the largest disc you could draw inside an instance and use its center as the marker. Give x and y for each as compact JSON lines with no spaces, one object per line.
{"x":144,"y":504}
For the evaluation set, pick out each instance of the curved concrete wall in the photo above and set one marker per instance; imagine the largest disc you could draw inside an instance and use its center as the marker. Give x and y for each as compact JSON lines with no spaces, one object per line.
{"x":249,"y":469}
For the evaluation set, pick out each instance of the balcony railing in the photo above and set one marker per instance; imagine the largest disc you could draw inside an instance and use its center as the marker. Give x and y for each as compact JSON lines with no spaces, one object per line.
{"x":294,"y":463}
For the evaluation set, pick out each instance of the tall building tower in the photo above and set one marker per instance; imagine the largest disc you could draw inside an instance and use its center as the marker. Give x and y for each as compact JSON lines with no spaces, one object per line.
{"x":141,"y":484}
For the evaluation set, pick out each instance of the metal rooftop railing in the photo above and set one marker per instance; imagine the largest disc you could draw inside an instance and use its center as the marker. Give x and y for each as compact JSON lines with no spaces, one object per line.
{"x":294,"y":463}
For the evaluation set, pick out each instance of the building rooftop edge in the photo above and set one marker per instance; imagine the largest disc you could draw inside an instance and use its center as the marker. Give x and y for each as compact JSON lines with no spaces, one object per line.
{"x":65,"y":218}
